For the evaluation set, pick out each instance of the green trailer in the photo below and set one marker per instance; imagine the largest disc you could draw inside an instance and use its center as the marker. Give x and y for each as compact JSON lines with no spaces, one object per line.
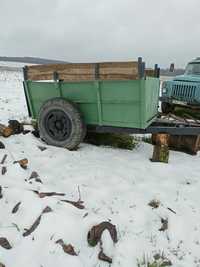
{"x":66,"y":100}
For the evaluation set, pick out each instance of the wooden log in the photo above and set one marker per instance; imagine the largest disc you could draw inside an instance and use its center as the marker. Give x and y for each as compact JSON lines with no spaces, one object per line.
{"x":23,"y":163}
{"x":5,"y":131}
{"x":15,"y":126}
{"x":186,"y":143}
{"x":161,"y":148}
{"x":160,"y":154}
{"x":160,"y":139}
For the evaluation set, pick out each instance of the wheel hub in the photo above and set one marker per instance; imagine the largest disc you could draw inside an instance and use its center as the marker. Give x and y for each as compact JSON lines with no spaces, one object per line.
{"x":58,"y":125}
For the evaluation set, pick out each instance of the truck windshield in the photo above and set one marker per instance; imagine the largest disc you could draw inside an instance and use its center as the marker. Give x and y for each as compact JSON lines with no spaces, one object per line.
{"x":193,"y":69}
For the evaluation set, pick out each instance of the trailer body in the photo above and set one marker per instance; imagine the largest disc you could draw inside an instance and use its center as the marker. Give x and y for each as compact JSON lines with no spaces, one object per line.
{"x":66,"y":100}
{"x":117,"y":103}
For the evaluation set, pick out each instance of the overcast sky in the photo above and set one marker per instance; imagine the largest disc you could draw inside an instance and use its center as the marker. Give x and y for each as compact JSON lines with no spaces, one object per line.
{"x":161,"y":31}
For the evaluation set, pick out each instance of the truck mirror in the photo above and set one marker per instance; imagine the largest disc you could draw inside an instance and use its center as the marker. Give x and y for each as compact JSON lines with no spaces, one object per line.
{"x":171,"y":69}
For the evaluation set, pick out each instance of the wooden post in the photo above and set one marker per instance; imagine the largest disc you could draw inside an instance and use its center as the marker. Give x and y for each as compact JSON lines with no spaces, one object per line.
{"x":161,"y":148}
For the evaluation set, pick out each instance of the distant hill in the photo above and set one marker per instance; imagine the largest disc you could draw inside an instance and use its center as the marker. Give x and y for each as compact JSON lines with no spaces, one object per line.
{"x":31,"y":60}
{"x":167,"y":72}
{"x":37,"y":60}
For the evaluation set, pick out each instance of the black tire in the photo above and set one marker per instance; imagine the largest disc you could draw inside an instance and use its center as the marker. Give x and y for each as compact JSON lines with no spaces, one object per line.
{"x":60,"y":124}
{"x":167,"y":107}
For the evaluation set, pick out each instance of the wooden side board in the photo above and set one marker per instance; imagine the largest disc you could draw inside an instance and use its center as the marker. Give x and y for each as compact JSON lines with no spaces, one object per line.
{"x":150,"y":72}
{"x":84,"y":71}
{"x":64,"y":71}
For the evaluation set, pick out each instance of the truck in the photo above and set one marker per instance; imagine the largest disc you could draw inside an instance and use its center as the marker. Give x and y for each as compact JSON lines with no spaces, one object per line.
{"x":67,"y":100}
{"x":183,"y":90}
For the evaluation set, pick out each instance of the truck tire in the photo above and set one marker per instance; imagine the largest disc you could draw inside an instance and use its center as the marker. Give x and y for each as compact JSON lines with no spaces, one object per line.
{"x":60,"y":124}
{"x":167,"y":108}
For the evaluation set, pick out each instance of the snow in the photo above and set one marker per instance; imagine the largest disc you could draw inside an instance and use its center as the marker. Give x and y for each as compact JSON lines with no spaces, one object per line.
{"x":115,"y":185}
{"x":14,"y":64}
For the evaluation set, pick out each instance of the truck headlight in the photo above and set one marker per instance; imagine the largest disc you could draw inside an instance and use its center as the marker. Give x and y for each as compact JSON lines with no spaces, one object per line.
{"x":164,"y":90}
{"x":164,"y":87}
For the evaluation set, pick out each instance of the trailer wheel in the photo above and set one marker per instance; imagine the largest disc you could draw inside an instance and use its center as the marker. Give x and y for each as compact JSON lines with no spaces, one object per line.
{"x":60,"y":124}
{"x":167,"y":107}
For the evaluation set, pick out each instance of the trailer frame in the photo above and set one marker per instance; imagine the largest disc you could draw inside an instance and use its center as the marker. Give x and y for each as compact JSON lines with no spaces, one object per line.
{"x":170,"y":124}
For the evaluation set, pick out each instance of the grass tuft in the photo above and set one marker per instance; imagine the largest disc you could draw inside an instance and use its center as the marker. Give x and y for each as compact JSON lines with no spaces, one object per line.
{"x":159,"y":260}
{"x":123,"y":141}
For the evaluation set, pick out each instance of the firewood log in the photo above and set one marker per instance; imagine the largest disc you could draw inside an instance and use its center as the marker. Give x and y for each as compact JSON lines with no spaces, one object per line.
{"x":5,"y":131}
{"x":161,"y":148}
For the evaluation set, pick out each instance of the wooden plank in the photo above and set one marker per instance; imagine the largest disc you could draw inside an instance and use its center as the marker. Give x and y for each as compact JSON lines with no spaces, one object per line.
{"x":118,"y":77}
{"x":120,"y":68}
{"x":84,"y":71}
{"x":45,"y":72}
{"x":64,"y":77}
{"x":150,"y":72}
{"x":60,"y":67}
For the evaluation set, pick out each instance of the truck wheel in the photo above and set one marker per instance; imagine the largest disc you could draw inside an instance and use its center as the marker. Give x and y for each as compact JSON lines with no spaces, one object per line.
{"x":166,"y":107}
{"x":60,"y":124}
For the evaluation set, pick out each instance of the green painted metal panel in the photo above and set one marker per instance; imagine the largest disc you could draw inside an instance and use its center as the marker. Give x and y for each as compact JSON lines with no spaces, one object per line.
{"x":85,"y":95}
{"x":129,"y":103}
{"x":120,"y":103}
{"x":150,"y":98}
{"x":38,"y":93}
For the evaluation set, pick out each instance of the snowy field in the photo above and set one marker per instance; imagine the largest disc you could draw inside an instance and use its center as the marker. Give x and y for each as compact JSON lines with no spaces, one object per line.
{"x":115,"y":185}
{"x":14,"y":64}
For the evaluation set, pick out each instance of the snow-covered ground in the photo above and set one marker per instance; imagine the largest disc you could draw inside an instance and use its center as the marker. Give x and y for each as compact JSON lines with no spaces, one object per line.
{"x":115,"y":185}
{"x":13,"y":64}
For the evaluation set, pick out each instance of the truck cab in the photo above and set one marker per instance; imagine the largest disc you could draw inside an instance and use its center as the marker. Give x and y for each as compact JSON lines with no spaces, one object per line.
{"x":183,"y":90}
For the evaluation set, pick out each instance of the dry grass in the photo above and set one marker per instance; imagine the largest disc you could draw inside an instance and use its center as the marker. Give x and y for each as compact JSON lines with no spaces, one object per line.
{"x":159,"y":260}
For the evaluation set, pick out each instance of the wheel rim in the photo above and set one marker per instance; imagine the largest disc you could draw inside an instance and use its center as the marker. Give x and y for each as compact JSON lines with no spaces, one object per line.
{"x":58,"y":125}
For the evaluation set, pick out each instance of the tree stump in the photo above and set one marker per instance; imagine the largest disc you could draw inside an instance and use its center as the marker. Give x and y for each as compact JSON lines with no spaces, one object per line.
{"x":161,"y":148}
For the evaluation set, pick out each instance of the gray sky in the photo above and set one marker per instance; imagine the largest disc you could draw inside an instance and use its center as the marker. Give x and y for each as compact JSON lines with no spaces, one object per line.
{"x":161,"y":31}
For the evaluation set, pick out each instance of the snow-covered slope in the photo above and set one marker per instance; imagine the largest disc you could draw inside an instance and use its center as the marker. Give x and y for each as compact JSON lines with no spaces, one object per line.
{"x":115,"y":185}
{"x":13,"y":64}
